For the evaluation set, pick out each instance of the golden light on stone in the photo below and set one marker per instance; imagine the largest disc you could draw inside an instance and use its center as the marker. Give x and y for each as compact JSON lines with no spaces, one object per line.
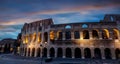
{"x":52,"y":36}
{"x":39,"y":37}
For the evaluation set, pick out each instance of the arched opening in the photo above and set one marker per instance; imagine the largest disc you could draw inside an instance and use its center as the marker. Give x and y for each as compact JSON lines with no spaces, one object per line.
{"x":115,"y":34}
{"x":117,"y":53}
{"x":77,"y":53}
{"x":107,"y":53}
{"x":95,"y":34}
{"x":68,"y":53}
{"x":38,"y":52}
{"x":5,"y":48}
{"x":28,"y":51}
{"x":52,"y":52}
{"x":76,"y":35}
{"x":84,"y":26}
{"x":67,"y":35}
{"x":44,"y":52}
{"x":105,"y":34}
{"x":59,"y":52}
{"x":59,"y":35}
{"x":52,"y":36}
{"x":45,"y":37}
{"x":33,"y":52}
{"x":67,"y":27}
{"x":97,"y":53}
{"x":85,"y":34}
{"x":87,"y":53}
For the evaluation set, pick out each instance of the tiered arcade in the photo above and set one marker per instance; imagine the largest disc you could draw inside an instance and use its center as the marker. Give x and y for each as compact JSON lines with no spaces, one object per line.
{"x":100,"y":40}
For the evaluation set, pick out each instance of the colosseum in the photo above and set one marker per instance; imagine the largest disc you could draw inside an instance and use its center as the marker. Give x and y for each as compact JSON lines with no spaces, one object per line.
{"x":99,"y":40}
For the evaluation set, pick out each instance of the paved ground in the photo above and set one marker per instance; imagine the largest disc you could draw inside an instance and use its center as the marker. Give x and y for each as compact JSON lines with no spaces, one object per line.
{"x":15,"y":59}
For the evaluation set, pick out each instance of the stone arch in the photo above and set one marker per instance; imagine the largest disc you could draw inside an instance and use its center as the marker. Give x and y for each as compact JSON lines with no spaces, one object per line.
{"x":107,"y":53}
{"x":86,"y":34}
{"x":95,"y":34}
{"x":67,"y":35}
{"x":77,"y":53}
{"x":97,"y":53}
{"x":45,"y":37}
{"x":52,"y":52}
{"x":33,"y":52}
{"x":44,"y":52}
{"x":117,"y":53}
{"x":28,"y":51}
{"x":68,"y":53}
{"x":115,"y":34}
{"x":38,"y":52}
{"x":59,"y":35}
{"x":59,"y":52}
{"x":87,"y":53}
{"x":105,"y":34}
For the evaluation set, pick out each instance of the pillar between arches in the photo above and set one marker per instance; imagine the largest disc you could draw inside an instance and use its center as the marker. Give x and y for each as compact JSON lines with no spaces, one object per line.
{"x":82,"y":53}
{"x":103,"y":53}
{"x":92,"y":52}
{"x":113,"y":53}
{"x":64,"y":53}
{"x":73,"y":55}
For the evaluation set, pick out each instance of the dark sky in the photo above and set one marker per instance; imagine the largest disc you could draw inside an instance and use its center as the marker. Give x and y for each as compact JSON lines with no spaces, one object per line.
{"x":14,"y":13}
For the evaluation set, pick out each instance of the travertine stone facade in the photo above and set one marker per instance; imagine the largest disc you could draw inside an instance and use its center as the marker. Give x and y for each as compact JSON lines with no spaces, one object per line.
{"x":100,"y":40}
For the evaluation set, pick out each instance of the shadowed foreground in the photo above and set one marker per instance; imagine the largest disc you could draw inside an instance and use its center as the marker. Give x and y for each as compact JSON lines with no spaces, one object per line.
{"x":15,"y":59}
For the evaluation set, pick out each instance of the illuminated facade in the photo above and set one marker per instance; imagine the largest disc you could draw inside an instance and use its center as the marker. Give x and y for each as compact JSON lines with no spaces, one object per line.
{"x":100,"y":40}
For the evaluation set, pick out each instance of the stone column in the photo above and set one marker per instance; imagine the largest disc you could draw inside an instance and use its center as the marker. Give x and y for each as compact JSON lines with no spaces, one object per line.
{"x":48,"y":53}
{"x":113,"y":53}
{"x":92,"y":52}
{"x":35,"y":52}
{"x":100,"y":34}
{"x":30,"y":52}
{"x":73,"y":55}
{"x":82,"y":53}
{"x":72,"y":35}
{"x":102,"y":53}
{"x":55,"y":35}
{"x":110,"y":35}
{"x":41,"y":52}
{"x":64,"y":53}
{"x":48,"y":41}
{"x":55,"y":52}
{"x":90,"y":33}
{"x":81,"y":35}
{"x":63,"y":35}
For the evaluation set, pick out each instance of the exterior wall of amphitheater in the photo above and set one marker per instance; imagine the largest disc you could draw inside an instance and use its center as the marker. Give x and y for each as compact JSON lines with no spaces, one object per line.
{"x":72,"y":40}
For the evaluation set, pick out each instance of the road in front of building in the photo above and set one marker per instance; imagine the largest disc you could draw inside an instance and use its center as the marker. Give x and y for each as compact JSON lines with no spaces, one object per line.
{"x":15,"y":59}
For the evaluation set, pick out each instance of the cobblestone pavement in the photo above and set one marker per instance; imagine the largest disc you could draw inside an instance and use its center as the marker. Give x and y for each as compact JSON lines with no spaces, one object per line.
{"x":15,"y":59}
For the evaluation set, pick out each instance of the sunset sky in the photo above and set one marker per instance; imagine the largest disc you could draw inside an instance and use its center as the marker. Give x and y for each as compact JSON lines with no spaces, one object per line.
{"x":14,"y":13}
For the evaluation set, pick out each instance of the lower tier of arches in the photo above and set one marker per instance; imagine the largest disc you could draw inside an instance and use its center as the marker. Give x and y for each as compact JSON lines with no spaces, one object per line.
{"x":83,"y":53}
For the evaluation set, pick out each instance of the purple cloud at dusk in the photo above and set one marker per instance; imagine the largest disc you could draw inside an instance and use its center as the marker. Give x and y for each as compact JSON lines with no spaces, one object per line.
{"x":14,"y":13}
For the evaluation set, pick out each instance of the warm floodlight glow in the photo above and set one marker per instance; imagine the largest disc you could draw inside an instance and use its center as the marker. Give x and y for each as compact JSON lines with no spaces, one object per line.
{"x":116,"y":40}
